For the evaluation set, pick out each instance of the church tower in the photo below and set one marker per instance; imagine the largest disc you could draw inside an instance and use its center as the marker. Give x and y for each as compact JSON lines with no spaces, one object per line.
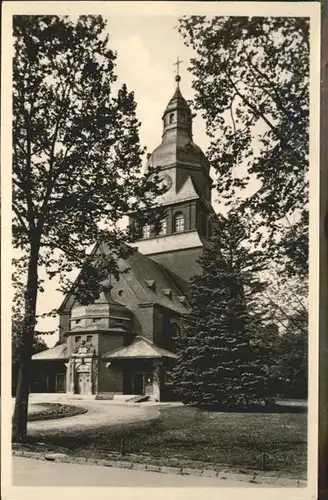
{"x":184,"y":170}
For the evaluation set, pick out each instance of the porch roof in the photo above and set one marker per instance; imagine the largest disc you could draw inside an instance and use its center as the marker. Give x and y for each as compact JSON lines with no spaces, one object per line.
{"x":55,"y":353}
{"x":140,"y":348}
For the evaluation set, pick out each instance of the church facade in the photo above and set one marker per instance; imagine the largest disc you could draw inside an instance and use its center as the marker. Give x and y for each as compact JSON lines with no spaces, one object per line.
{"x":123,"y":342}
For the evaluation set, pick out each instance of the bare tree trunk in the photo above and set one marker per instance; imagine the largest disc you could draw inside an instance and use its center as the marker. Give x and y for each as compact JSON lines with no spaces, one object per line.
{"x":19,"y":422}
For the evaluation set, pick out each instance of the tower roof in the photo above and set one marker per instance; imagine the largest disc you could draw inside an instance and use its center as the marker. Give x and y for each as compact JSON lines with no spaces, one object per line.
{"x":177,"y":145}
{"x":177,"y":101}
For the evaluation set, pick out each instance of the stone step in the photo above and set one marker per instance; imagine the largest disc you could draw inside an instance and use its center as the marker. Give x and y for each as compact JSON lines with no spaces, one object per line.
{"x":104,"y":395}
{"x":138,"y":399}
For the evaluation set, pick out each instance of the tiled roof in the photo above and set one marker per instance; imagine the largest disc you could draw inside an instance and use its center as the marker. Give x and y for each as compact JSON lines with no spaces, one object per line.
{"x":140,"y":348}
{"x":54,"y":353}
{"x":177,"y":101}
{"x":144,"y":269}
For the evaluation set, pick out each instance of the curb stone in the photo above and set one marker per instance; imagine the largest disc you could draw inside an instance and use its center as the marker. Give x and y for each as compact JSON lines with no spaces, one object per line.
{"x":80,"y":460}
{"x":191,"y":472}
{"x":53,"y":456}
{"x":209,"y":473}
{"x":137,"y":466}
{"x":103,"y":463}
{"x":171,"y":470}
{"x":253,"y":478}
{"x":154,"y":468}
{"x":250,"y":478}
{"x":108,"y":463}
{"x":123,"y":465}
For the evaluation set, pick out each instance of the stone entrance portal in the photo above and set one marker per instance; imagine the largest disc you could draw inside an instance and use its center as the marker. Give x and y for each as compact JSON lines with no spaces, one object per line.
{"x":81,"y":371}
{"x":83,"y":383}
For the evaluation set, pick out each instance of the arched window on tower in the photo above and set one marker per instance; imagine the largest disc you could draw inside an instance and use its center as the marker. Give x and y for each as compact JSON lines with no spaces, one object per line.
{"x":146,"y":231}
{"x":171,"y":118}
{"x":162,"y":227}
{"x":178,"y":223}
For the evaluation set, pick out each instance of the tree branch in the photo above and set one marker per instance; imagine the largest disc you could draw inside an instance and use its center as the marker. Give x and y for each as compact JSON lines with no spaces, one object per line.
{"x":256,"y":112}
{"x":17,"y":143}
{"x":20,"y":218}
{"x":51,"y":178}
{"x":71,"y":253}
{"x":269,"y":82}
{"x":231,"y":114}
{"x":285,"y":314}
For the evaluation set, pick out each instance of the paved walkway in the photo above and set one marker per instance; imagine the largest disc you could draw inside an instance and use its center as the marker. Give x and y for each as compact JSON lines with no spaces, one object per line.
{"x":98,"y":413}
{"x":32,"y":472}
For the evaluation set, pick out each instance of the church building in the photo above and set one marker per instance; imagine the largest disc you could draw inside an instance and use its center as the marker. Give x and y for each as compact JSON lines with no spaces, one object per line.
{"x":123,"y":342}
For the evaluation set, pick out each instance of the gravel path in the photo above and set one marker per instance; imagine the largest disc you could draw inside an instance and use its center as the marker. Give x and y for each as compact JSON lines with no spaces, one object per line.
{"x":99,"y":413}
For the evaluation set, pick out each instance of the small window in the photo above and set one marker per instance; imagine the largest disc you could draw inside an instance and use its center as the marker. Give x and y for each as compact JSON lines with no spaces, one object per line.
{"x":146,"y":231}
{"x":89,"y":338}
{"x":77,"y":339}
{"x":171,"y":118}
{"x":178,"y":223}
{"x":163,"y":227}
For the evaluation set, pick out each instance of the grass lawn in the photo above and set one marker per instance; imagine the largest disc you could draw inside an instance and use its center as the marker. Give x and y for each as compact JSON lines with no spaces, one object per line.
{"x":47,"y":411}
{"x":190,"y":436}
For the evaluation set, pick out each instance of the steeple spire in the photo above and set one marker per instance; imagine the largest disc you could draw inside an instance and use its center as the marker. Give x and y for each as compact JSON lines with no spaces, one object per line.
{"x":177,"y":119}
{"x":177,"y":76}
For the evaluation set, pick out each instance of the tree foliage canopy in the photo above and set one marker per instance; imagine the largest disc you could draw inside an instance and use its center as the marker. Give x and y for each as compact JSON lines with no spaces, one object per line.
{"x":292,"y":359}
{"x":251,"y":77}
{"x":16,"y":339}
{"x":77,"y":157}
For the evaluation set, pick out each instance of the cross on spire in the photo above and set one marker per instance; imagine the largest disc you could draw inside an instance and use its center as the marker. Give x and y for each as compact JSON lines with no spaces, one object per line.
{"x":177,"y":64}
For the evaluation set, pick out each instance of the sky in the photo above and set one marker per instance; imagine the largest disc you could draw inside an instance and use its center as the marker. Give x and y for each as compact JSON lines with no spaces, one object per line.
{"x":147,"y":48}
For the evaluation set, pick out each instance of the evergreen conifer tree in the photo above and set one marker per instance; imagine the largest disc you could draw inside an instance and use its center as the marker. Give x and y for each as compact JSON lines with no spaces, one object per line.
{"x":218,"y":365}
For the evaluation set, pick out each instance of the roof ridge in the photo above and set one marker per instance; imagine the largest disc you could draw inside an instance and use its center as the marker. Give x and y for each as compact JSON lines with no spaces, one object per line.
{"x":175,"y":285}
{"x":155,"y":352}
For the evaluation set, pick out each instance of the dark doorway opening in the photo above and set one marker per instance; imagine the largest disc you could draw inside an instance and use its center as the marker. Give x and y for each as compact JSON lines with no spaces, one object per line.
{"x":138,"y":383}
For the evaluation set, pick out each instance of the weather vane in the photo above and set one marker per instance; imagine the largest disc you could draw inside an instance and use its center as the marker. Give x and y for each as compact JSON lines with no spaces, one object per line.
{"x":177,"y":64}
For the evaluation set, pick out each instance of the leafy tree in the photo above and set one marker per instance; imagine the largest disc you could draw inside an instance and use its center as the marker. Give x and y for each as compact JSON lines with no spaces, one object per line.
{"x":285,"y":301}
{"x":39,"y":345}
{"x":219,"y":361}
{"x":76,"y":162}
{"x":251,"y":77}
{"x":284,"y":348}
{"x":292,"y":359}
{"x":266,"y":342}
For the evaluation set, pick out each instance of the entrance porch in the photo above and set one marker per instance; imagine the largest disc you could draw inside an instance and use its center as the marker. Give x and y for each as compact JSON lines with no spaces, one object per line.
{"x":48,"y":370}
{"x":48,"y":376}
{"x":144,"y":368}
